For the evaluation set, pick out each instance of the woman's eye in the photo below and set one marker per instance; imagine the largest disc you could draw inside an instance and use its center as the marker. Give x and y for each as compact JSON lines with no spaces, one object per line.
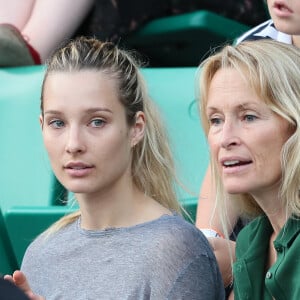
{"x":97,"y":123}
{"x":56,"y":123}
{"x":250,"y":118}
{"x":215,"y":121}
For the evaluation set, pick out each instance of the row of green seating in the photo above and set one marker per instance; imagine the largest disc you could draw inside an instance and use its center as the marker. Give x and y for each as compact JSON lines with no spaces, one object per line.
{"x":30,"y":193}
{"x":184,"y":39}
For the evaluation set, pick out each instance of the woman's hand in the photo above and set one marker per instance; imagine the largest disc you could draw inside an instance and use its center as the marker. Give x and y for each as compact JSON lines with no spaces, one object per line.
{"x":20,"y":280}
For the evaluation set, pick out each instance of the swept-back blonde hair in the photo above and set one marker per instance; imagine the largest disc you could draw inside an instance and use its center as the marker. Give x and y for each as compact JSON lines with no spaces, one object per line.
{"x":152,"y":164}
{"x":272,"y":69}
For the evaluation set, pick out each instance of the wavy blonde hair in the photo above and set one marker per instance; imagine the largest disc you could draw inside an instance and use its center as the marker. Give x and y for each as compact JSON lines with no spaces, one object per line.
{"x":272,"y":69}
{"x":152,"y":164}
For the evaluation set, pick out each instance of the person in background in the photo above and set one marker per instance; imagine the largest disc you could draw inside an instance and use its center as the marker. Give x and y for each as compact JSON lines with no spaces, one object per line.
{"x":31,"y":29}
{"x":249,"y":103}
{"x":284,"y":25}
{"x":107,"y":145}
{"x":114,"y":19}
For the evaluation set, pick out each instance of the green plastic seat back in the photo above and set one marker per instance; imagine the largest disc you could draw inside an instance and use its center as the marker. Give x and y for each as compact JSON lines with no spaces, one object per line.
{"x":26,"y":223}
{"x":26,"y":177}
{"x":184,"y":39}
{"x":8,"y":262}
{"x":173,"y":90}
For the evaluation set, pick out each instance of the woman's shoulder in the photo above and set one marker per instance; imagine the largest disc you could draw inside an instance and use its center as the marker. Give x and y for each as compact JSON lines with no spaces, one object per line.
{"x":48,"y":239}
{"x":175,"y":223}
{"x":175,"y":231}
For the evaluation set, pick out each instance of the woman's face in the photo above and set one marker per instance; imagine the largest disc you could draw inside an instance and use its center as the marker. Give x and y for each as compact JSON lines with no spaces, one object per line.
{"x":286,"y":15}
{"x":245,"y":135}
{"x":85,"y":131}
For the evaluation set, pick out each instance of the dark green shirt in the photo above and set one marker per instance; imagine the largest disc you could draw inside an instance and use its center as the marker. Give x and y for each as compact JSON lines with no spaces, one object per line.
{"x":251,"y":278}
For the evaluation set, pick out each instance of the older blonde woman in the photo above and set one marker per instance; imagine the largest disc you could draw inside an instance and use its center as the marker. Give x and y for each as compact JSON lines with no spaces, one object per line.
{"x":250,"y":111}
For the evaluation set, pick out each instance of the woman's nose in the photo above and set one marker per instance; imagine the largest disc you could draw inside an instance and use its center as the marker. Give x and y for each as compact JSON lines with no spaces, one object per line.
{"x":75,"y":141}
{"x":230,"y":135}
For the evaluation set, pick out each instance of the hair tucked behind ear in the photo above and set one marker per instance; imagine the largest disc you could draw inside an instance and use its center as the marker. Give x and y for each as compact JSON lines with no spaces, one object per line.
{"x":152,"y":165}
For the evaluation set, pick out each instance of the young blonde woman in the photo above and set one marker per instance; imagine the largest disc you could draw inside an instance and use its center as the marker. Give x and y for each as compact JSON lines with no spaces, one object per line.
{"x":106,"y":144}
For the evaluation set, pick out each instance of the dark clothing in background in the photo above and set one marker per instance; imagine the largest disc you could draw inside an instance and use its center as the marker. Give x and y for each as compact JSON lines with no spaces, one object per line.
{"x":9,"y":291}
{"x":113,"y":19}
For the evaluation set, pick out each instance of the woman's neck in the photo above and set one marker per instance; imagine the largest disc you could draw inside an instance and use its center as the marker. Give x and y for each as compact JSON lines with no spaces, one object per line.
{"x":115,"y":210}
{"x":271,"y":204}
{"x":296,"y":40}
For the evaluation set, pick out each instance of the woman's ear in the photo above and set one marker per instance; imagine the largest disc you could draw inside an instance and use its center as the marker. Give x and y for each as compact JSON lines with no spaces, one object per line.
{"x":138,"y":128}
{"x":41,"y":121}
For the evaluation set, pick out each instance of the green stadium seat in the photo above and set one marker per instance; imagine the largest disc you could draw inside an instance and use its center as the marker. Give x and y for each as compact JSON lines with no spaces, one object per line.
{"x":173,"y":90}
{"x":26,"y":223}
{"x":185,"y":39}
{"x":190,"y":207}
{"x":26,"y":177}
{"x":8,"y":262}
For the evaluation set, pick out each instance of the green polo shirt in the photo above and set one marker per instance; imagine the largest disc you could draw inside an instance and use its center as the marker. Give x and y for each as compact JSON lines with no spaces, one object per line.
{"x":251,"y":279}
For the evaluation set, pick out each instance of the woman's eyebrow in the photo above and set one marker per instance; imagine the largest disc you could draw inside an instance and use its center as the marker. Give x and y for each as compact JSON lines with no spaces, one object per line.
{"x":97,"y":109}
{"x":52,"y":112}
{"x":89,"y":110}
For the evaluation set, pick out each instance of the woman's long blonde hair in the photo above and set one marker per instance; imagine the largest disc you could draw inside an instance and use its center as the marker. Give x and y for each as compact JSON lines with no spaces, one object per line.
{"x":152,"y":164}
{"x":272,"y":69}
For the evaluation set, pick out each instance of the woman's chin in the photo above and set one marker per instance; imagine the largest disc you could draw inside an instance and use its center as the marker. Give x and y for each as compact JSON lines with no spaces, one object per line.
{"x":235,"y":190}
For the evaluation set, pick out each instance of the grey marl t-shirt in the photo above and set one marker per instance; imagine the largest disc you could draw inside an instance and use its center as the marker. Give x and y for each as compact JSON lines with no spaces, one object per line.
{"x":167,"y":258}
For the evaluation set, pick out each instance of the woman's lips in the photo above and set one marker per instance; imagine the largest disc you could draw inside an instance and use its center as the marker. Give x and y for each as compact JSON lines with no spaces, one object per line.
{"x":281,"y":10}
{"x":78,"y":169}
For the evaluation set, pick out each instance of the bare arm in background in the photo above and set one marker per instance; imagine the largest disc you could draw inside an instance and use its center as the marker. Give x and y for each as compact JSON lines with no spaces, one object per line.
{"x":208,"y":218}
{"x":45,"y":24}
